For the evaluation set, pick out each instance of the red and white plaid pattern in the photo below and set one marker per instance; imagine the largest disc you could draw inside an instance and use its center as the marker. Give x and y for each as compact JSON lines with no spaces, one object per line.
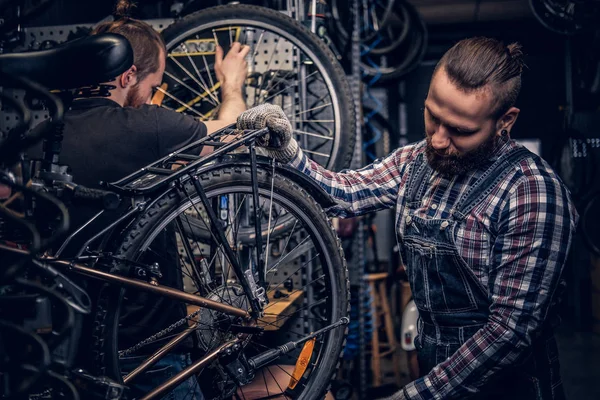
{"x":516,"y":242}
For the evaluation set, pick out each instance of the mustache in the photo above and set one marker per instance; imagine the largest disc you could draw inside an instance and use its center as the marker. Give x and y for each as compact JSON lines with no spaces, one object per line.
{"x":447,"y":154}
{"x":452,"y":163}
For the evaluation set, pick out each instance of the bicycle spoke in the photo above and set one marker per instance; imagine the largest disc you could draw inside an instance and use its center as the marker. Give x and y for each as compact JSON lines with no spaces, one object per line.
{"x":281,"y":283}
{"x":194,"y":206}
{"x":192,"y":77}
{"x":182,"y":103}
{"x":204,"y":87}
{"x":315,"y":120}
{"x":269,"y":226}
{"x":188,"y":250}
{"x":242,"y":391}
{"x":312,"y":134}
{"x":290,"y":235}
{"x":261,"y":211}
{"x":289,"y":86}
{"x":276,"y":81}
{"x":293,"y":251}
{"x":295,"y":291}
{"x":207,"y":92}
{"x":161,"y":256}
{"x":315,"y":153}
{"x":216,"y":38}
{"x":277,"y":383}
{"x":310,"y":109}
{"x":255,"y":52}
{"x":259,"y":91}
{"x":265,"y":380}
{"x":208,"y":71}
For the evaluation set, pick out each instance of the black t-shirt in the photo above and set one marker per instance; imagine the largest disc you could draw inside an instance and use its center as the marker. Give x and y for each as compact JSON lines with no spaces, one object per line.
{"x":106,"y":142}
{"x":103,"y":141}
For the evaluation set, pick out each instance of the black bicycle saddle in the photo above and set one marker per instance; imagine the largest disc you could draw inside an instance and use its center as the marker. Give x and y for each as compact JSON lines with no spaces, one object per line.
{"x":81,"y":62}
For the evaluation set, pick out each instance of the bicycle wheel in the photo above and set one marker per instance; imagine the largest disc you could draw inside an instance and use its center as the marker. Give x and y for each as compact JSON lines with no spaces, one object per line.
{"x":407,"y":53}
{"x":379,"y":35}
{"x":288,"y":66}
{"x":306,"y":280}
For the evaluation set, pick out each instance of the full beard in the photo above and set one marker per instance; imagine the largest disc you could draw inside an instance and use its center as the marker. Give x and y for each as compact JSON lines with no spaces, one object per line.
{"x":459,"y":164}
{"x":133,"y":98}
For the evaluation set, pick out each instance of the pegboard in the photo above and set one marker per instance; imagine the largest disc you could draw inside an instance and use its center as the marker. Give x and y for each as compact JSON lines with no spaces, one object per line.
{"x":297,"y":267}
{"x":579,"y":147}
{"x":36,"y":38}
{"x":39,"y":38}
{"x":270,"y":51}
{"x":9,"y":118}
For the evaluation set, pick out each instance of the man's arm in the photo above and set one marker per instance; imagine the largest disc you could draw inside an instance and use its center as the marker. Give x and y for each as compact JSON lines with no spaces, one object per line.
{"x":356,"y":192}
{"x":231,"y":73}
{"x":535,"y":231}
{"x":374,"y":187}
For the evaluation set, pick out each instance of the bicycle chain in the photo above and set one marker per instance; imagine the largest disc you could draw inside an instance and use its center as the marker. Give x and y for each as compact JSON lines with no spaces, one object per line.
{"x":158,"y":335}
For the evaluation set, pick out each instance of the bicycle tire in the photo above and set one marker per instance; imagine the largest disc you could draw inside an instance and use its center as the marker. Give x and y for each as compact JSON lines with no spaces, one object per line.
{"x":298,"y":35}
{"x":400,"y":38}
{"x":216,"y":182}
{"x":393,"y":13}
{"x":341,"y":22}
{"x":414,"y":46}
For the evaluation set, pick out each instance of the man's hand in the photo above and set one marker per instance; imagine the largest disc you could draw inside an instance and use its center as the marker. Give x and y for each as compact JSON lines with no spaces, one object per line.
{"x":279,"y":142}
{"x":232,"y":70}
{"x":272,"y":117}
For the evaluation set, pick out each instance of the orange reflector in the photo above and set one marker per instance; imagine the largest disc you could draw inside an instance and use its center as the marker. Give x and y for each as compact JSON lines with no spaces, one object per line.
{"x":302,"y":363}
{"x":159,"y":95}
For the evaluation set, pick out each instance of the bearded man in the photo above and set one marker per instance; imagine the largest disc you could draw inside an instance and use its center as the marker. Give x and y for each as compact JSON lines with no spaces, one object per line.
{"x":484,"y":227}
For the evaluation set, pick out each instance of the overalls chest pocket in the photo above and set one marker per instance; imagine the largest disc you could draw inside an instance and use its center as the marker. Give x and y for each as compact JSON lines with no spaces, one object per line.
{"x":477,"y":240}
{"x":434,"y":267}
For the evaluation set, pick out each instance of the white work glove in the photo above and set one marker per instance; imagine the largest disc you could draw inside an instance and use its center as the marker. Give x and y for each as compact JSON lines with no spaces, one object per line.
{"x":278,"y":143}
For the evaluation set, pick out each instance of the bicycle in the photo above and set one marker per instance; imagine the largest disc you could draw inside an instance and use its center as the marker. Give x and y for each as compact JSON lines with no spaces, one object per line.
{"x":243,"y":228}
{"x":288,"y":65}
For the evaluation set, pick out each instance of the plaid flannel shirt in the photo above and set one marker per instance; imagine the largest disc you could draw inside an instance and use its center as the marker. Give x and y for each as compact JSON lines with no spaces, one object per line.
{"x":533,"y":220}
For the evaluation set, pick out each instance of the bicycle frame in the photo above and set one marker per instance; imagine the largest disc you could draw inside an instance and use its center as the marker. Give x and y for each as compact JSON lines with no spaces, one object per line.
{"x":160,"y":175}
{"x":146,"y":186}
{"x":167,"y":177}
{"x":166,"y":292}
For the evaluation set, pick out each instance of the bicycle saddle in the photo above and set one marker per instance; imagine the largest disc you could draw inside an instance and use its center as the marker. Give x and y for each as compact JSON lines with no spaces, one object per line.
{"x":81,"y":62}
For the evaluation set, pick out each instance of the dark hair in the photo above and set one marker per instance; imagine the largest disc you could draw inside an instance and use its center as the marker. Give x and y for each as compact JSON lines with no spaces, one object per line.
{"x":474,"y":63}
{"x":145,"y":41}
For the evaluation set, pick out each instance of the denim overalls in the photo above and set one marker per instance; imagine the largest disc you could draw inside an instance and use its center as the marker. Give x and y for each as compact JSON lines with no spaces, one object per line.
{"x":452,"y":302}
